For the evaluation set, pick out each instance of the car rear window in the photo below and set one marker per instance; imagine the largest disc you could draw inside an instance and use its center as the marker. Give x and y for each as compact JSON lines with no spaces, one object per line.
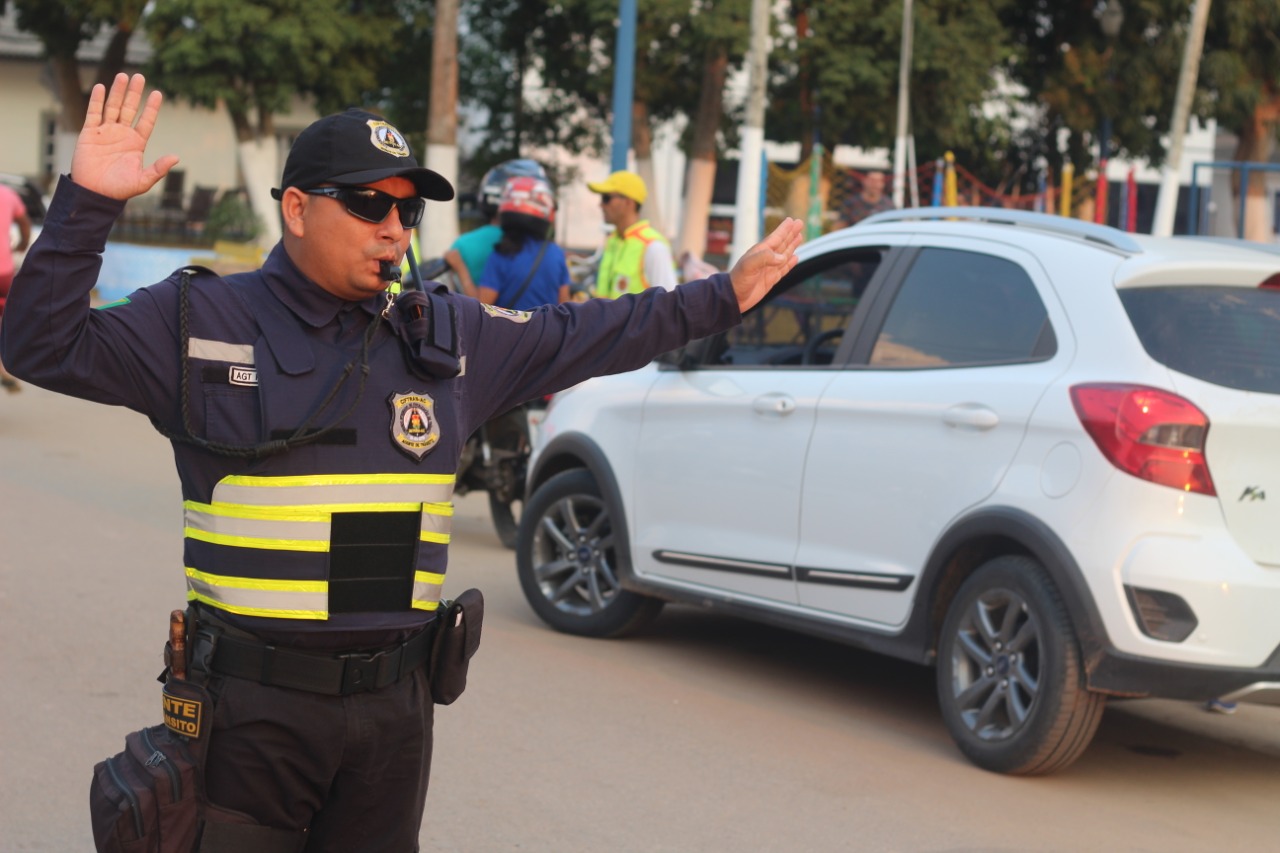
{"x":1224,"y":335}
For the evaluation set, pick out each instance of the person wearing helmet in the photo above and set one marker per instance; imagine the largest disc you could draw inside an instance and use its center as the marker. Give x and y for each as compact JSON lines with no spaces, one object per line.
{"x":526,"y":268}
{"x":468,"y":254}
{"x":636,"y":256}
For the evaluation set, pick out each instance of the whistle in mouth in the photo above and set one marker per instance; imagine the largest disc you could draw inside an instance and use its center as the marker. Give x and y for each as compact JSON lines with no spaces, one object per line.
{"x":388,"y":271}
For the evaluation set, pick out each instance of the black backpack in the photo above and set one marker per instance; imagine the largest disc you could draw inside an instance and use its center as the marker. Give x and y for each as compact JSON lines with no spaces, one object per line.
{"x":146,"y":798}
{"x":150,"y":797}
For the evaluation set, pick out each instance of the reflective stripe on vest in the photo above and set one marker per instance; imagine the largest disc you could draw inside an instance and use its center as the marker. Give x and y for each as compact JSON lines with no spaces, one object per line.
{"x":288,"y":599}
{"x":623,"y":257}
{"x":295,"y":514}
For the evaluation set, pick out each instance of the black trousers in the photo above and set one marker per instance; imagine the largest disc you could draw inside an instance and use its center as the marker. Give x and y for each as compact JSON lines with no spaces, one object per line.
{"x":351,"y":770}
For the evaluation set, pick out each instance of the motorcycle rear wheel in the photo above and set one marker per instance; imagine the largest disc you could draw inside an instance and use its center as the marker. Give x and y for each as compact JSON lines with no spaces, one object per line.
{"x":506,"y":520}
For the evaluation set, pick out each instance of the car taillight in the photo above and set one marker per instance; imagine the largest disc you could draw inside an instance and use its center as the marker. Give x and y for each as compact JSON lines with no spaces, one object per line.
{"x":1152,"y":434}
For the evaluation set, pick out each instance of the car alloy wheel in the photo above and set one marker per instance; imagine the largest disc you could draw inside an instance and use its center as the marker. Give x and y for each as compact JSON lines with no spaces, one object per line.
{"x":1011,"y":684}
{"x":568,"y":561}
{"x":996,"y":664}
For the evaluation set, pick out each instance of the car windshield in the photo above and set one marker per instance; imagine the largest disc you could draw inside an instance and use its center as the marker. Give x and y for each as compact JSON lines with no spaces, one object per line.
{"x":1223,"y":335}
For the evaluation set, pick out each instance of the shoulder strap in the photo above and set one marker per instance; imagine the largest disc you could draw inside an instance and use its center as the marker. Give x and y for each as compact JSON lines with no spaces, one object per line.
{"x":529,"y":278}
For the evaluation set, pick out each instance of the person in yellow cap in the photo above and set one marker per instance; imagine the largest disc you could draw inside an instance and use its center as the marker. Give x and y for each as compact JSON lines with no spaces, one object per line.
{"x":636,"y":257}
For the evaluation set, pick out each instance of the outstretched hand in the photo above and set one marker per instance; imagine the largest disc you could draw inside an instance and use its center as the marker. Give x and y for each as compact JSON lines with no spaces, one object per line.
{"x":766,"y":262}
{"x":108,"y":155}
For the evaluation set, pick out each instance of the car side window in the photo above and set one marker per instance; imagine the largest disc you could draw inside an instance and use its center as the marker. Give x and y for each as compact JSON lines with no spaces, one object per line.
{"x":803,"y":320}
{"x":957,"y":308}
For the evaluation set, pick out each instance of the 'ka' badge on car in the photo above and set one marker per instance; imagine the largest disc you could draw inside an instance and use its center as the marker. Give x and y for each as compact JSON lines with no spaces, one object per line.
{"x":413,"y":423}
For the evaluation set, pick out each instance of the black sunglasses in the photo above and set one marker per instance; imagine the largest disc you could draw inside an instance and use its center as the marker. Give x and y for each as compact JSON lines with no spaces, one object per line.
{"x":373,"y":205}
{"x":605,"y":198}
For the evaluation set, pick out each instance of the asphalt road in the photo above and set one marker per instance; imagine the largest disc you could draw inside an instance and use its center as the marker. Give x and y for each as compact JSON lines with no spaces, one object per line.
{"x":704,"y":734}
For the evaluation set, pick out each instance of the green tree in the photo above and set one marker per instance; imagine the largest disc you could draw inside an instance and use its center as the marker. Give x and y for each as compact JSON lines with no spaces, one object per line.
{"x":837,"y":71}
{"x":62,"y":28}
{"x":1076,"y":77}
{"x":1240,"y":87}
{"x":683,"y":54}
{"x":257,"y":58}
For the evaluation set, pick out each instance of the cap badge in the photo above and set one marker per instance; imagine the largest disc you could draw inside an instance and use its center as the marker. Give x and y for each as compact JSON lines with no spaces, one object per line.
{"x":414,"y":427}
{"x":386,"y":138}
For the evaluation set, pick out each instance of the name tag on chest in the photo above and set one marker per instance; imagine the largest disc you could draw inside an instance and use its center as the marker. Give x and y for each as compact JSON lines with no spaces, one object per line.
{"x":242,"y":375}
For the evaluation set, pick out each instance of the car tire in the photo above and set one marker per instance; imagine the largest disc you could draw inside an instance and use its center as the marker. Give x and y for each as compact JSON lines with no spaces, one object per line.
{"x":1011,"y":683}
{"x":568,"y":561}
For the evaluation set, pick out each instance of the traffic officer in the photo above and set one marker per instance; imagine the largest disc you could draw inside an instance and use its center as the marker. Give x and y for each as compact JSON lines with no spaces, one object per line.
{"x":636,"y":256}
{"x":316,"y":430}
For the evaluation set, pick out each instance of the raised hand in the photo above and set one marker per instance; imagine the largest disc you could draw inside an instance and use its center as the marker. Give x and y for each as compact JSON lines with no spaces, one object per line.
{"x":766,"y":262}
{"x":108,"y":155}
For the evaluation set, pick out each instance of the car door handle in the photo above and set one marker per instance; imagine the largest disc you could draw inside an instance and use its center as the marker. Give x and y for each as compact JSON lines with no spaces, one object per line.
{"x":971,"y":416}
{"x":774,"y":404}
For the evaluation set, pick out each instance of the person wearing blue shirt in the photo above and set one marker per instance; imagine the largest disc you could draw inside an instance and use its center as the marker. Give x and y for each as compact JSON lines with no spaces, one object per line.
{"x":526,"y":269}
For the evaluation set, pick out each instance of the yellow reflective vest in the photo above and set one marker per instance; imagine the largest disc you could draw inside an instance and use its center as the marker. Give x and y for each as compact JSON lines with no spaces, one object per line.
{"x":622,"y":263}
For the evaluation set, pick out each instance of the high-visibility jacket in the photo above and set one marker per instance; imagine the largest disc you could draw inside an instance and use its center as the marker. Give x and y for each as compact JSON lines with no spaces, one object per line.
{"x":349,"y":533}
{"x":622,"y":262}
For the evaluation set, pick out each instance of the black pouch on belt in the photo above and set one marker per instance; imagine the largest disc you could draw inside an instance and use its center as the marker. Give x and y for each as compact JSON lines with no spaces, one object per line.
{"x":150,"y":797}
{"x":457,"y":638}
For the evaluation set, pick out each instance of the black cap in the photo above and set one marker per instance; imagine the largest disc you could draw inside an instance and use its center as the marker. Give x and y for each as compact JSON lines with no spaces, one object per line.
{"x":356,"y":147}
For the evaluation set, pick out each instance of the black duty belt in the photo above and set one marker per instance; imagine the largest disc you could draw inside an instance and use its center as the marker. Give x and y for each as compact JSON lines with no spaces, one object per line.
{"x":334,"y":675}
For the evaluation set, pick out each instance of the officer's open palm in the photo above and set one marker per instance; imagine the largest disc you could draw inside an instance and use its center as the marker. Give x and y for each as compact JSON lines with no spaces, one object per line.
{"x":766,"y":262}
{"x":109,"y":152}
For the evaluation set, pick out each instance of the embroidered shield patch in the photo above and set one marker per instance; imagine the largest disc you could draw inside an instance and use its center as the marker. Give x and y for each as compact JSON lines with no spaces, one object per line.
{"x":507,"y":313}
{"x":386,"y":138}
{"x":414,"y":427}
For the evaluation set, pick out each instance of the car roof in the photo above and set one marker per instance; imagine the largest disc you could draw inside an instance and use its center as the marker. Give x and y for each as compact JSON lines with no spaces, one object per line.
{"x":1141,"y":260}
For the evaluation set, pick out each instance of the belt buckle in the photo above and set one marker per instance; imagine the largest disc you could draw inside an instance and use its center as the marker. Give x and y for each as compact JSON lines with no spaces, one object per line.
{"x":360,"y":671}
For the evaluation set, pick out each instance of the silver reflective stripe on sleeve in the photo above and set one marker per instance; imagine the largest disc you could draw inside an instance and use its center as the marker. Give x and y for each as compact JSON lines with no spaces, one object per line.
{"x":220,"y":351}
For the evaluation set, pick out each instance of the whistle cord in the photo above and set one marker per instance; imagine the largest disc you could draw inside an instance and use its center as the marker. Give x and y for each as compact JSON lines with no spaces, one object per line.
{"x":301,"y":436}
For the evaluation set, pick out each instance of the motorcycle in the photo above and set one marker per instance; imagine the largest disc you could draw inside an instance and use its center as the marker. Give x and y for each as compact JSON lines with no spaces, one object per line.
{"x":495,"y":457}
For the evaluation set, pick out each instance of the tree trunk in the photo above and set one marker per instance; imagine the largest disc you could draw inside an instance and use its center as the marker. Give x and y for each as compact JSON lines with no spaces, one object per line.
{"x":66,"y":76}
{"x":642,"y":141}
{"x":259,"y":158}
{"x":440,"y":225}
{"x":1256,"y":144}
{"x":701,"y":176}
{"x":260,"y":166}
{"x":114,"y":56}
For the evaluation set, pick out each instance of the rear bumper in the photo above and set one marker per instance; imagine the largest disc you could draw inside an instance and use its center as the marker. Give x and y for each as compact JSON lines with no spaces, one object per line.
{"x":1127,"y":675}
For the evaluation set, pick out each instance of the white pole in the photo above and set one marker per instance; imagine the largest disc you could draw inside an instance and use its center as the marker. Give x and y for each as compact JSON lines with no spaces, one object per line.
{"x":904,"y":76}
{"x":1170,"y":174}
{"x":746,"y":222}
{"x":912,"y":171}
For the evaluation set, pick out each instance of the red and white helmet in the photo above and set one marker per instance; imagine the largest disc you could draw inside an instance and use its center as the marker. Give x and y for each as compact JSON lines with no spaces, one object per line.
{"x":529,"y":196}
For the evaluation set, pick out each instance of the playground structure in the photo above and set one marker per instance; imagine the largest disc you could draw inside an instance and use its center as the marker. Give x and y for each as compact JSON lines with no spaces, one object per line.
{"x":942,"y":182}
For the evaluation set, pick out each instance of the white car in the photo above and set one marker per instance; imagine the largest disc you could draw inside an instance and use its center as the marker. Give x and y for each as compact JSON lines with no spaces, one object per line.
{"x":1040,"y":454}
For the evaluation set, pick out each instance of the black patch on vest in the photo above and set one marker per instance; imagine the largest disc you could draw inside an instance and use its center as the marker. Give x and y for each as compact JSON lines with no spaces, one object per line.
{"x":371,"y":560}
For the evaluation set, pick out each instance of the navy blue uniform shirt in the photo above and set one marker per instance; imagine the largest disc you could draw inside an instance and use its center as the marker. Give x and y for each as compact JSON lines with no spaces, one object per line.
{"x":266,"y":348}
